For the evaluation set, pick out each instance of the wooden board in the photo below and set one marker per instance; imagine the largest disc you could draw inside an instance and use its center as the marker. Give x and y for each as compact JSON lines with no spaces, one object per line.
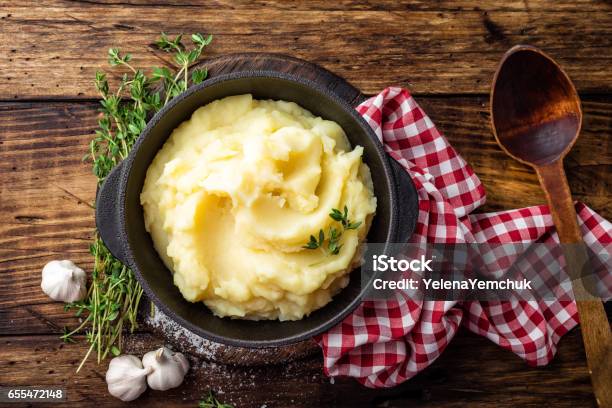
{"x":263,"y":61}
{"x":472,"y":372}
{"x":444,"y":51}
{"x":442,"y":47}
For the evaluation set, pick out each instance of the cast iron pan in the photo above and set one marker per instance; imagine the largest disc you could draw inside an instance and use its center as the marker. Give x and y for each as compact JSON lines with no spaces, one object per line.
{"x":120,"y":221}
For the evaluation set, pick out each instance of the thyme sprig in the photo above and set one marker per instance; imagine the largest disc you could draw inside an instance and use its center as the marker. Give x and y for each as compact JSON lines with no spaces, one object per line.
{"x":112,"y":301}
{"x":212,"y":402}
{"x":175,"y":83}
{"x":342,"y":217}
{"x":334,"y":234}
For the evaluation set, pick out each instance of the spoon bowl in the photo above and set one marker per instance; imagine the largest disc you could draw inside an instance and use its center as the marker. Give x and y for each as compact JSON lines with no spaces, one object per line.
{"x":535,"y":108}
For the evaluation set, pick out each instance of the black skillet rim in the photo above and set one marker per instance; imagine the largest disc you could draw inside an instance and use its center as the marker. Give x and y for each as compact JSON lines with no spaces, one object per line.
{"x":129,"y":161}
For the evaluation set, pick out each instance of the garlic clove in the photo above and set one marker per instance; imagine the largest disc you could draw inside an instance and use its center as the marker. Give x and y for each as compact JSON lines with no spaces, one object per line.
{"x":126,"y":377}
{"x":64,"y":281}
{"x":168,"y":368}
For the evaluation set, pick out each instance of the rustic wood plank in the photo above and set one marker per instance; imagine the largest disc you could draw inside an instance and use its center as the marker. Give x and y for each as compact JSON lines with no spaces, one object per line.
{"x":428,"y":50}
{"x":46,"y":191}
{"x":45,"y":188}
{"x":52,"y":51}
{"x":472,"y":372}
{"x":356,"y":5}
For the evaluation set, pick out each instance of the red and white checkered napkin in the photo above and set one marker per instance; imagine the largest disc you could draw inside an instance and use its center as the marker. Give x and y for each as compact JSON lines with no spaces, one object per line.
{"x":383,"y":343}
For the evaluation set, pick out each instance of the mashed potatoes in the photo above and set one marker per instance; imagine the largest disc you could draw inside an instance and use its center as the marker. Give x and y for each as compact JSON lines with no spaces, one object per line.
{"x":235,"y":194}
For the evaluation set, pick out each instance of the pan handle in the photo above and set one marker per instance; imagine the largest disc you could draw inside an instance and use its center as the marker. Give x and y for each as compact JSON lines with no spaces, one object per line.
{"x":407,"y":202}
{"x":107,"y":213}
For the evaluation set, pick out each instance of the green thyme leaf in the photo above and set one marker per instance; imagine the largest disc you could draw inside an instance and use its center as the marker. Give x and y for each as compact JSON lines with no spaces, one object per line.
{"x":336,"y":215}
{"x":312,"y":244}
{"x":166,"y":44}
{"x":353,"y":225}
{"x":333,"y":245}
{"x":66,"y":336}
{"x":198,"y":75}
{"x":212,"y":402}
{"x":161,"y":73}
{"x":200,"y":40}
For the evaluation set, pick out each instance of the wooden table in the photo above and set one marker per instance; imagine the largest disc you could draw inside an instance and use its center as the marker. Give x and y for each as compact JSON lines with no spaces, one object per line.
{"x":444,"y":51}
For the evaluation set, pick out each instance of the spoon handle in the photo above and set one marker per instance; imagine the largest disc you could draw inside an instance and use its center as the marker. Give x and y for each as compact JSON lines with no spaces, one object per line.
{"x":594,"y":323}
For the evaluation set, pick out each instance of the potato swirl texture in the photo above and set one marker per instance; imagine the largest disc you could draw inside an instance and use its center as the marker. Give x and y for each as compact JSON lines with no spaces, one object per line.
{"x":235,"y":193}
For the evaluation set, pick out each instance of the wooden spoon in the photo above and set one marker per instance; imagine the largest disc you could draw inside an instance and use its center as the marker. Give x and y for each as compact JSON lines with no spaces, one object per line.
{"x":536,"y":118}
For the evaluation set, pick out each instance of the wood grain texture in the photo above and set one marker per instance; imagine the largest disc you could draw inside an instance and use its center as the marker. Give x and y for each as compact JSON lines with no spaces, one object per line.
{"x":46,"y":192}
{"x":444,"y":51}
{"x":263,"y":61}
{"x":472,"y":372}
{"x":56,"y":47}
{"x":359,"y":5}
{"x":45,"y":188}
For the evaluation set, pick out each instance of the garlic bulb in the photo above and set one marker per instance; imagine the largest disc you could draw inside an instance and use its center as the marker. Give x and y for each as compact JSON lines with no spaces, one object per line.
{"x":126,"y":378}
{"x":64,"y":281}
{"x":167,"y":368}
